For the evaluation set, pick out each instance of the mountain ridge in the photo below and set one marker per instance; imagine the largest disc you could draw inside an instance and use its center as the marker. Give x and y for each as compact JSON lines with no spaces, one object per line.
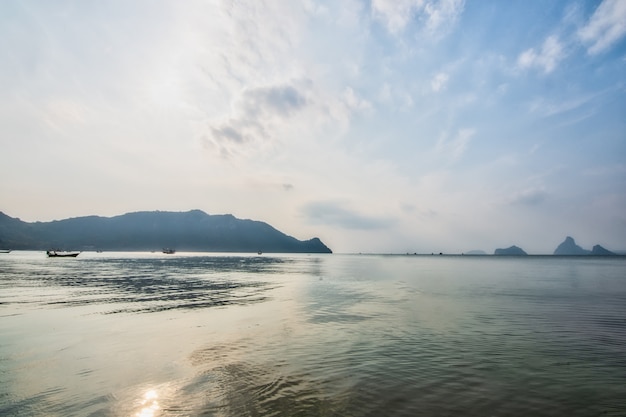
{"x":192,"y":230}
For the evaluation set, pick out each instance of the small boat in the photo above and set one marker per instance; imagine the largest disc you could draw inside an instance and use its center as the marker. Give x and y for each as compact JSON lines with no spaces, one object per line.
{"x":169,"y":251}
{"x":61,"y":254}
{"x":5,"y":250}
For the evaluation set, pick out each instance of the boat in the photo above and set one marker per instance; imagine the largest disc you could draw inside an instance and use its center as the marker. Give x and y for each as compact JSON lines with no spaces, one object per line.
{"x":169,"y":251}
{"x":5,"y":250}
{"x":61,"y":254}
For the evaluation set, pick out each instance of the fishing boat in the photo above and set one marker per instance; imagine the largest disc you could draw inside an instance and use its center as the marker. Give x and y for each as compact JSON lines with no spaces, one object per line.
{"x":61,"y":254}
{"x":169,"y":251}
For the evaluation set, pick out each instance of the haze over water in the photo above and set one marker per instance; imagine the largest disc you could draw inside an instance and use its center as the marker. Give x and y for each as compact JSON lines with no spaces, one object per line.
{"x":140,"y":334}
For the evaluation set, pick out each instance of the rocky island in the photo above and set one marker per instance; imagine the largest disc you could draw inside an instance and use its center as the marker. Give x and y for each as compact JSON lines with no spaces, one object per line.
{"x":569,"y":247}
{"x":511,"y":251}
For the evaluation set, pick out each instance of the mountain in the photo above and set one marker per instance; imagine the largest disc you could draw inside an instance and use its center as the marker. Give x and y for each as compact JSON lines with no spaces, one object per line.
{"x":569,"y":247}
{"x":600,"y":251}
{"x":152,"y":230}
{"x":476,"y":252}
{"x":513,"y":250}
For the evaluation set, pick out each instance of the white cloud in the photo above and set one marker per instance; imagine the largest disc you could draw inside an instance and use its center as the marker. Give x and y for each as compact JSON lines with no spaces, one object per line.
{"x":395,"y":97}
{"x":442,"y":13}
{"x":455,"y":147}
{"x":354,"y":102}
{"x":606,"y":26}
{"x":546,"y":59}
{"x":528,"y":197}
{"x":436,"y":15}
{"x":312,"y":7}
{"x":396,"y":14}
{"x":439,"y":81}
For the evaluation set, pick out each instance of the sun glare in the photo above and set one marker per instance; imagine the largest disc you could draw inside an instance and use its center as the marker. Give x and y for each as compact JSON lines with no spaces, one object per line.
{"x":149,"y":404}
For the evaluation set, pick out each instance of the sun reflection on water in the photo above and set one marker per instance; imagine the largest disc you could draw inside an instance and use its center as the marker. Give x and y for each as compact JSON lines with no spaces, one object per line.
{"x":149,"y":404}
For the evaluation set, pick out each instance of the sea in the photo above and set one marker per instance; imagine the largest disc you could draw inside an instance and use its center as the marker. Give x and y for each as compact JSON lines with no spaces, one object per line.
{"x":209,"y":334}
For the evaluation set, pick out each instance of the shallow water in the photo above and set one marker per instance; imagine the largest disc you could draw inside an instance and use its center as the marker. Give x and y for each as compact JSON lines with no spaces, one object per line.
{"x":125,"y":334}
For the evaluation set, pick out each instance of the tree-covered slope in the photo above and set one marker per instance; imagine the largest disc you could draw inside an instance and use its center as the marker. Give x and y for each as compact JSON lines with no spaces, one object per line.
{"x":185,"y":231}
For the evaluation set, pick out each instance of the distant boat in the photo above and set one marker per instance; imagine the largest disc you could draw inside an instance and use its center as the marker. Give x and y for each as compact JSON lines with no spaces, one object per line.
{"x":259,"y":253}
{"x":61,"y":254}
{"x":169,"y":251}
{"x":5,"y":250}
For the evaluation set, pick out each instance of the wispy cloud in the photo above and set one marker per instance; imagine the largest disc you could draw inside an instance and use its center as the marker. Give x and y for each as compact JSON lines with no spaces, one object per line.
{"x":281,"y":100}
{"x":455,"y":147}
{"x":335,"y":214}
{"x":354,"y":102}
{"x":436,"y":15}
{"x":546,"y":58}
{"x":531,"y":196}
{"x":439,"y":81}
{"x":442,"y":13}
{"x":606,"y":26}
{"x":547,"y":108}
{"x":254,"y":116}
{"x":396,"y":14}
{"x":608,"y":170}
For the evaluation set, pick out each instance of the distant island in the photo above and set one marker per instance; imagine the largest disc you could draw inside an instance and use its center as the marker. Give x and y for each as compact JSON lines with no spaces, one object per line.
{"x":569,"y":247}
{"x":193,"y":230}
{"x":511,"y":251}
{"x":475,"y":252}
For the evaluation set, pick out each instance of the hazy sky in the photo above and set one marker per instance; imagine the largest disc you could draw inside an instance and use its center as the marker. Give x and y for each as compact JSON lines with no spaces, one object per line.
{"x":379,"y":126}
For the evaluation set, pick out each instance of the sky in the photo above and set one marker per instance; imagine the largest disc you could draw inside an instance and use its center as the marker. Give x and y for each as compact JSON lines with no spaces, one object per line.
{"x":385,"y":126}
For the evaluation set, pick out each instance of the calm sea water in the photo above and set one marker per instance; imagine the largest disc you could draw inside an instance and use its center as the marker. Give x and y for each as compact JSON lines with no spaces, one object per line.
{"x":127,"y":334}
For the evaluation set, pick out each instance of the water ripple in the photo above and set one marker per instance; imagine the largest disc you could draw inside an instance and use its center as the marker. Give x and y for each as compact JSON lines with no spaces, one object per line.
{"x":337,"y":336}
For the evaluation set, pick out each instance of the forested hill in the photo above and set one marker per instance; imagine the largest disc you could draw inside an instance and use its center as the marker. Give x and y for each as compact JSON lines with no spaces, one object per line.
{"x":153,"y":230}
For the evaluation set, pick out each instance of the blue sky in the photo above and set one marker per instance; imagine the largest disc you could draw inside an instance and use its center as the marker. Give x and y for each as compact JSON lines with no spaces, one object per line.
{"x":379,"y":126}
